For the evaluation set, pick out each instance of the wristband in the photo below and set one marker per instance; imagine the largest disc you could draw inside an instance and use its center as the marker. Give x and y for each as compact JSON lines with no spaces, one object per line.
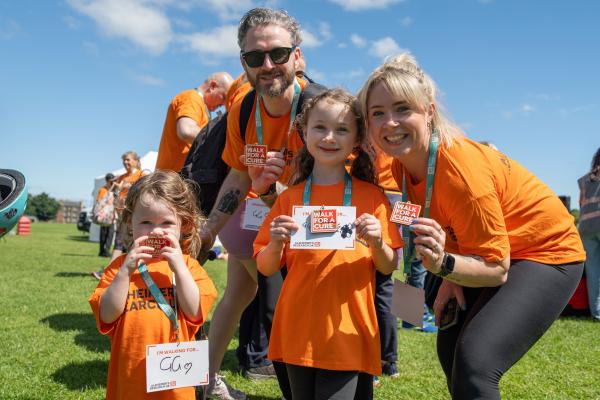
{"x":447,"y":266}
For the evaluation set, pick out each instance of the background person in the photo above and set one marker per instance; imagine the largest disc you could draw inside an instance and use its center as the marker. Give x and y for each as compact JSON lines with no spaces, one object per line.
{"x":505,"y":246}
{"x":589,"y":229}
{"x":107,"y":233}
{"x":187,"y":114}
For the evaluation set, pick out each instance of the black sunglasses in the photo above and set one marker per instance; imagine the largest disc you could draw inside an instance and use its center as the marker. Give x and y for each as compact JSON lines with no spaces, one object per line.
{"x":256,"y":58}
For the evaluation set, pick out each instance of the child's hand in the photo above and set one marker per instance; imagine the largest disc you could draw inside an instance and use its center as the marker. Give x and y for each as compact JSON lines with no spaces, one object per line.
{"x":282,"y":228}
{"x":368,"y":229}
{"x":138,"y":252}
{"x":173,"y":253}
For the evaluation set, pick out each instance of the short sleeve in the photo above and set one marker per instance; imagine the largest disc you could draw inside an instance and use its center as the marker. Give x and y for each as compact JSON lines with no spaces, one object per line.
{"x":234,"y":145}
{"x":108,"y":275}
{"x":190,"y":105}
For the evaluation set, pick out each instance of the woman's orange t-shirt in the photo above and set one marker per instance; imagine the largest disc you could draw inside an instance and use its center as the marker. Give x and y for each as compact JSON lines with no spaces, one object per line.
{"x":143,"y":323}
{"x":325,"y":316}
{"x":491,"y":206}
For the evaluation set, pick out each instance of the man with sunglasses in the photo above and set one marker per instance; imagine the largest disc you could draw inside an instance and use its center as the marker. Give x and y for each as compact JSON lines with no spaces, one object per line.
{"x":269,"y":41}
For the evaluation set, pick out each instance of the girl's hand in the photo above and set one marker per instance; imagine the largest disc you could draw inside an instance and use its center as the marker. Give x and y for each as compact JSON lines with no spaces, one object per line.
{"x":448,"y":290}
{"x":282,"y":228}
{"x":173,"y":253}
{"x":368,"y":229}
{"x":137,"y":253}
{"x":263,"y":177}
{"x":429,"y":243}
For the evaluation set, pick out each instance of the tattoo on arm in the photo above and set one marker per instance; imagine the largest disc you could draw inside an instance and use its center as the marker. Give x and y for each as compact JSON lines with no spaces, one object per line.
{"x":229,"y":202}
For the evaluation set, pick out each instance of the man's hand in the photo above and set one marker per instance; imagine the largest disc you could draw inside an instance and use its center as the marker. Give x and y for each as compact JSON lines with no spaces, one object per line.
{"x":263,"y":177}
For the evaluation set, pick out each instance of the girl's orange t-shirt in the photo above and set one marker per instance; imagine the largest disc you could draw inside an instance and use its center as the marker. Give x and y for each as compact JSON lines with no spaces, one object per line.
{"x":325,"y":316}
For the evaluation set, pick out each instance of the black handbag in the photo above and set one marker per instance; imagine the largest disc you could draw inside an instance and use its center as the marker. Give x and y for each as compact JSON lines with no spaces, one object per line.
{"x":432,"y":285}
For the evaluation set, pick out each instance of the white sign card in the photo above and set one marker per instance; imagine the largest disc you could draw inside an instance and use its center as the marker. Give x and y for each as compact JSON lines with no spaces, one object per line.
{"x":176,"y":365}
{"x":341,"y":239}
{"x":254,"y":215}
{"x":407,"y":303}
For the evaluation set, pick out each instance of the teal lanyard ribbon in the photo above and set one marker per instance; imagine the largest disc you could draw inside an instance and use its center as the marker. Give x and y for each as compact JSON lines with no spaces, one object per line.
{"x":259,"y":131}
{"x":347,"y":190}
{"x":407,"y":235}
{"x":160,"y":299}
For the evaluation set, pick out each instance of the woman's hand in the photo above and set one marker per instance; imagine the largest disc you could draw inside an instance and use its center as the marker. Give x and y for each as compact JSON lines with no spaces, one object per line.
{"x":282,"y":228}
{"x":368,"y":229}
{"x":429,"y":243}
{"x":448,"y":290}
{"x":138,"y":252}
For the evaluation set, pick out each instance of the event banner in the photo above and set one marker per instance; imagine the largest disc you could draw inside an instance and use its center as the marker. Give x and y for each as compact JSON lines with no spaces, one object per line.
{"x":324,"y":227}
{"x":176,"y":365}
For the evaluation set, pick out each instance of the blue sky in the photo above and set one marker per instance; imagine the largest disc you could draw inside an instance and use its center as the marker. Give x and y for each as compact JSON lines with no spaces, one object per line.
{"x":85,"y":80}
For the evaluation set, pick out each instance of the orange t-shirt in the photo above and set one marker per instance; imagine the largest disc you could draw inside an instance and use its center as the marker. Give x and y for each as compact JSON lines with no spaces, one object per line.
{"x":172,"y":150}
{"x":143,"y":323}
{"x":383,"y":168}
{"x":275,"y":136}
{"x":101,"y":193}
{"x":128,"y":179}
{"x":238,"y":89}
{"x":491,"y":206}
{"x":325,"y":316}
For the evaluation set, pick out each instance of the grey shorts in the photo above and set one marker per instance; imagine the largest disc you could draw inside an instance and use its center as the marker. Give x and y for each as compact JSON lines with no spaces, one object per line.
{"x":236,"y":240}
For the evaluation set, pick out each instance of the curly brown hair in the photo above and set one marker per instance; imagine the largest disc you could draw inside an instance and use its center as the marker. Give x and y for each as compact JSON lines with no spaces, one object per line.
{"x":362,"y":164}
{"x":178,"y":195}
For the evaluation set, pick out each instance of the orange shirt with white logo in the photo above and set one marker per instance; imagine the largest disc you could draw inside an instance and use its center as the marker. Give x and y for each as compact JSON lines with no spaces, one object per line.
{"x":172,"y":150}
{"x":275,"y":136}
{"x":491,"y":206}
{"x":325,"y":316}
{"x":143,"y":323}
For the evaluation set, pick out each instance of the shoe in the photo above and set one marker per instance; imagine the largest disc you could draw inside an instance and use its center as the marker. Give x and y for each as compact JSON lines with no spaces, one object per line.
{"x":97,"y":275}
{"x":429,"y":327}
{"x":376,"y":381}
{"x":220,"y":390}
{"x":390,"y":369}
{"x":262,"y":372}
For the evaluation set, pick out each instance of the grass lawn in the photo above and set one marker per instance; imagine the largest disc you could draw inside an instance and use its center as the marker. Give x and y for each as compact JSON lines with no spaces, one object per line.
{"x":50,"y":349}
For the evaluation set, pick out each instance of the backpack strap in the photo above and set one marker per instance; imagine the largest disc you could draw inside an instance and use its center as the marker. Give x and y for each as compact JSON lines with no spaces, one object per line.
{"x":310,"y":90}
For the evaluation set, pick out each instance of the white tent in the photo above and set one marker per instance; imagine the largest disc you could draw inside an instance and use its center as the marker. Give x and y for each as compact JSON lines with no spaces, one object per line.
{"x":148,"y":162}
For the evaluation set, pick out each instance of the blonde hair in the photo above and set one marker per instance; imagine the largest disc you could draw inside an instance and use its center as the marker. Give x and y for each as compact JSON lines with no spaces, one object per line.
{"x":403,"y":78}
{"x":178,"y":195}
{"x":135,"y":156}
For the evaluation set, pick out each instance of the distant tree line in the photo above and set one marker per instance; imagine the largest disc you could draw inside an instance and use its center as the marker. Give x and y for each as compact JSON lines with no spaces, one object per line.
{"x":42,"y":206}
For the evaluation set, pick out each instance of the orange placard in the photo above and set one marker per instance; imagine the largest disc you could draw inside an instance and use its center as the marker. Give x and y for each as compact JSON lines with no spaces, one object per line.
{"x":323,"y":220}
{"x":404,"y":213}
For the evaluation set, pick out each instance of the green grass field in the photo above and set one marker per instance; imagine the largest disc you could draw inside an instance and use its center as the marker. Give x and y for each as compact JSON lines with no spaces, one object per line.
{"x":50,"y":349}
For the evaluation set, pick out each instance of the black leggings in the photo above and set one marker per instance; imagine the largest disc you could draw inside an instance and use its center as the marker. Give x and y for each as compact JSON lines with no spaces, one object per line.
{"x":322,"y":384}
{"x":501,"y":324}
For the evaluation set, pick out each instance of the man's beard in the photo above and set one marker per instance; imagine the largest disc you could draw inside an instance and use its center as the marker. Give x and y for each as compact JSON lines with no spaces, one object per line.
{"x":276,"y":87}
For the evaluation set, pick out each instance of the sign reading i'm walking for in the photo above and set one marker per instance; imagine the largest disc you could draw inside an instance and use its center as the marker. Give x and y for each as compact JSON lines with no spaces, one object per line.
{"x":404,"y":213}
{"x":323,"y":220}
{"x":255,"y":154}
{"x":341,"y":238}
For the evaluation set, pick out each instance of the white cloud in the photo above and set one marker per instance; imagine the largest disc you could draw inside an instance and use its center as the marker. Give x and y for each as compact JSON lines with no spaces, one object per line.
{"x":221,"y":42}
{"x":148,"y":80}
{"x":228,"y":9}
{"x":9,"y":28}
{"x":310,"y":39}
{"x":385,"y":47}
{"x":316,"y":75}
{"x":527,"y":108}
{"x":359,"y":5}
{"x":135,"y":20}
{"x":406,"y":22}
{"x":183,"y":23}
{"x":358,"y":40}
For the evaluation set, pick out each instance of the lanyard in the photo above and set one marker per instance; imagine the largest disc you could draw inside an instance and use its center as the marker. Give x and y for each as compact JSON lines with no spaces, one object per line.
{"x":160,"y":299}
{"x":347,"y":190}
{"x":259,"y":132}
{"x":406,"y":233}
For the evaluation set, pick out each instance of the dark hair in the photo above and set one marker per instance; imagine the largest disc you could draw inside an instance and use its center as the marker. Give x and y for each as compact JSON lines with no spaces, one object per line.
{"x":595,"y":168}
{"x":177,"y":194}
{"x":362,"y":165}
{"x":266,"y":16}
